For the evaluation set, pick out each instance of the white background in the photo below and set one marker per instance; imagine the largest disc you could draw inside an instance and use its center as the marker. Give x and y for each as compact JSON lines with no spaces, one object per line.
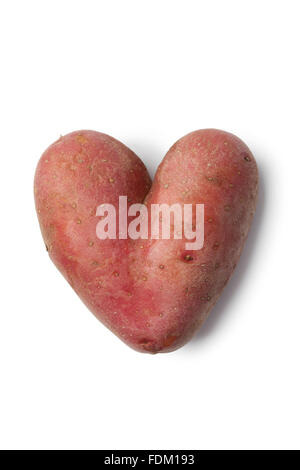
{"x":148,"y":72}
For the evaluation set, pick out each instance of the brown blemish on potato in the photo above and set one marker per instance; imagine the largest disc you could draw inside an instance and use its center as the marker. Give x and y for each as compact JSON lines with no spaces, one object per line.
{"x":74,"y":205}
{"x":81,"y":139}
{"x":246,"y":157}
{"x":216,"y":245}
{"x":91,"y":243}
{"x":146,"y":344}
{"x":227,"y":208}
{"x":169,"y":340}
{"x":161,"y":266}
{"x":78,"y":221}
{"x":111,"y":180}
{"x":214,"y":179}
{"x":166,"y":186}
{"x":116,"y":274}
{"x":210,"y":220}
{"x":188,"y":258}
{"x":144,"y":278}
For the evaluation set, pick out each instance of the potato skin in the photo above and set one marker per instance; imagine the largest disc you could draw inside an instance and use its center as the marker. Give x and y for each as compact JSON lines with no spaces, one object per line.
{"x":148,"y":292}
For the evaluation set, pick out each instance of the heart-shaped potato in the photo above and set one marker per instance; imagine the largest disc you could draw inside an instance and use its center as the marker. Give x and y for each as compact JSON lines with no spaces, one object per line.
{"x":152,"y":293}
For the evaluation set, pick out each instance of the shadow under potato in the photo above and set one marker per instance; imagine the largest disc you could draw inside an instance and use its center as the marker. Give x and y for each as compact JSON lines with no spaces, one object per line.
{"x":150,"y":154}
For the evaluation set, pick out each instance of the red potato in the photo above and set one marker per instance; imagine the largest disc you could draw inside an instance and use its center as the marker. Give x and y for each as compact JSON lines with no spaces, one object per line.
{"x":153,"y":294}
